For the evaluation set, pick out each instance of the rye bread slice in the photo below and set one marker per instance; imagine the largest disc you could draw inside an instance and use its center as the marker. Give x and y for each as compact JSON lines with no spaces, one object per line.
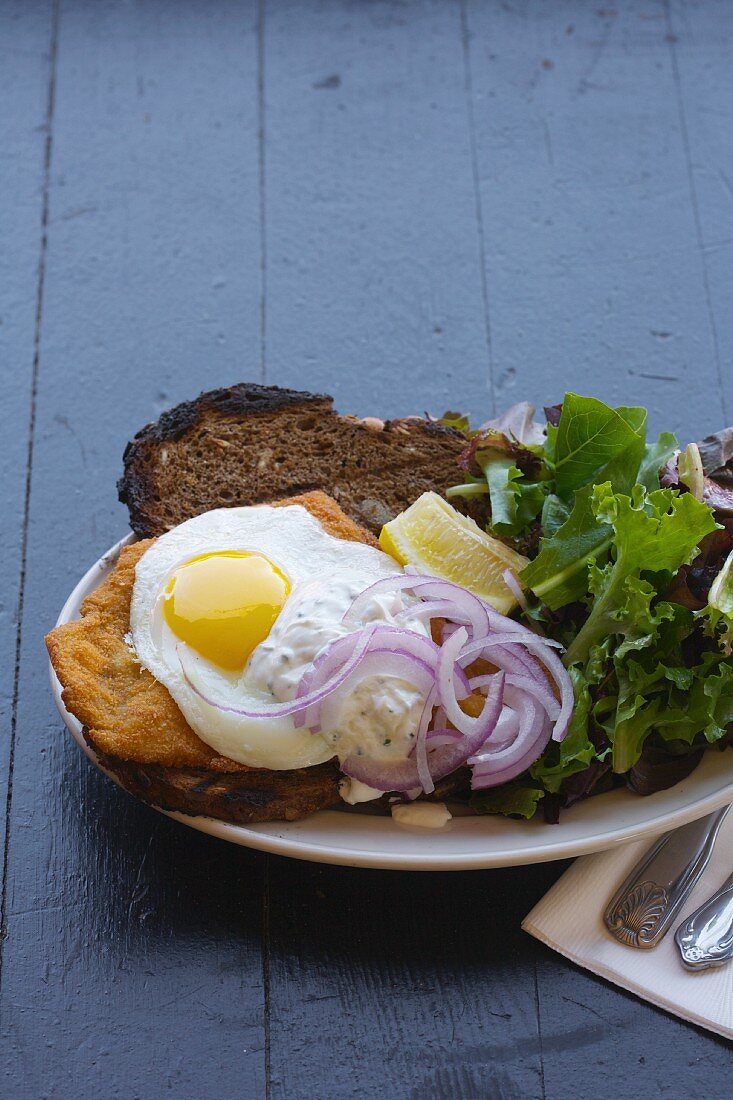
{"x":250,"y":444}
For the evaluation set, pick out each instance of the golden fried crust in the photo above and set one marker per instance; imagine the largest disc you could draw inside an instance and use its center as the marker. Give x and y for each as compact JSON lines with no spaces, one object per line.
{"x":126,"y":712}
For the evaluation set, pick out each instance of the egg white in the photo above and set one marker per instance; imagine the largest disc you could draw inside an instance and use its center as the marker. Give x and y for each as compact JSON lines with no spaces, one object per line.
{"x":326,"y":574}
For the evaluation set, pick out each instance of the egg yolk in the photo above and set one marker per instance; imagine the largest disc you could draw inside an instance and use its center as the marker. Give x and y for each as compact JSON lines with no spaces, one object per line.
{"x":224,"y":604}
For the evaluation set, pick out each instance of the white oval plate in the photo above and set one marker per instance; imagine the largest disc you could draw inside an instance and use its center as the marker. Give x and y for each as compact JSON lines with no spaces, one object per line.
{"x":361,"y":839}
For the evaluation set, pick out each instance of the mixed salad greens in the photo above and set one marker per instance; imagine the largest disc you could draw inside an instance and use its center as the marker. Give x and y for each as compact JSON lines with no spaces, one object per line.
{"x":631,"y":548}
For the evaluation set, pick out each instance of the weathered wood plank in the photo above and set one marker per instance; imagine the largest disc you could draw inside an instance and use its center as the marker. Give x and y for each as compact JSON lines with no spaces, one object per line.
{"x":403,"y":984}
{"x":132,"y":961}
{"x":596,"y":283}
{"x":600,"y":1041}
{"x":700,"y":39}
{"x":374,"y":293}
{"x":133,"y":956}
{"x":373,"y":274}
{"x":595,"y":278}
{"x":25,"y":64}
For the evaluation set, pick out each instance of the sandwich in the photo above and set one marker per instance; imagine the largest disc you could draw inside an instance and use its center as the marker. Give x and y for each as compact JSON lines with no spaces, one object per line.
{"x":322,"y":610}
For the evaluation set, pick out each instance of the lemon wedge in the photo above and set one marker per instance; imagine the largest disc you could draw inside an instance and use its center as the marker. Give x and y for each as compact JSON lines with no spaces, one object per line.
{"x":436,"y":539}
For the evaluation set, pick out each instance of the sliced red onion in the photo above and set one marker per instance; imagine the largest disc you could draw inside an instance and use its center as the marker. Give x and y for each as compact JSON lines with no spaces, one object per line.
{"x":403,"y":654}
{"x":423,"y":612}
{"x":396,"y":582}
{"x":446,"y":675}
{"x":461,"y":606}
{"x":460,"y":598}
{"x":533,"y":687}
{"x":421,"y":751}
{"x":438,"y":740}
{"x":500,"y":742}
{"x":437,"y":737}
{"x":559,"y":673}
{"x":552,"y":663}
{"x":278,"y":710}
{"x":505,"y":731}
{"x":481,"y":780}
{"x":540,"y":691}
{"x":473,"y":617}
{"x":515,"y":631}
{"x":493,"y":767}
{"x":402,"y":776}
{"x":380,"y":638}
{"x":439,"y":718}
{"x":520,"y":656}
{"x":461,"y":603}
{"x":510,"y":658}
{"x":511,"y":581}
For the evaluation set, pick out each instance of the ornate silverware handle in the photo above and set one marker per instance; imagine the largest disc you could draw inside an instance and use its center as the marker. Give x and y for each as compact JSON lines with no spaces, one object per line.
{"x":706,"y":938}
{"x":647,"y":902}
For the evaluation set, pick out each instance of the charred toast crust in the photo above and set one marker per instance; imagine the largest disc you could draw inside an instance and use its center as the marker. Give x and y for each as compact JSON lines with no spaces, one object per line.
{"x":410,"y":448}
{"x":242,"y":798}
{"x":243,"y":399}
{"x":245,"y":798}
{"x":240,"y":400}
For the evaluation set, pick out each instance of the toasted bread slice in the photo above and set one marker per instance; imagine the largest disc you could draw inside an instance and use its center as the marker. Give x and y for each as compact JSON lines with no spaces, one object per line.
{"x":250,"y":444}
{"x":138,"y":732}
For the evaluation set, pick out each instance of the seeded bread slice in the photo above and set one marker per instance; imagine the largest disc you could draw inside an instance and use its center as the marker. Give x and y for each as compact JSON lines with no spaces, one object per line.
{"x":250,"y":444}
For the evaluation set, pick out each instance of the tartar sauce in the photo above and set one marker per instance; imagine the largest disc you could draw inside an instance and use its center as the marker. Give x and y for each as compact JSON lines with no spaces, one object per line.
{"x":379,"y":719}
{"x":421,"y":815}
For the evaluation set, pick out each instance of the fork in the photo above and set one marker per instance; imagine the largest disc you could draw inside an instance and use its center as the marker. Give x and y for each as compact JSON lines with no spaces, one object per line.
{"x":645,"y":905}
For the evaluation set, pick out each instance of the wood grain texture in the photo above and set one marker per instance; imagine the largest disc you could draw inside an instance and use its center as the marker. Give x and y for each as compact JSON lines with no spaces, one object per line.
{"x":595,"y":275}
{"x":700,"y":40}
{"x":596,"y":282}
{"x":423,"y":984}
{"x":388,"y":201}
{"x":373,"y":264}
{"x":25,"y":71}
{"x":132,"y":958}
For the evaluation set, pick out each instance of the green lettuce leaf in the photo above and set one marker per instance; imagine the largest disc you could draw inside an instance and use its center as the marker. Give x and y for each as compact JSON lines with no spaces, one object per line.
{"x":501,"y":476}
{"x":643,"y":667}
{"x":589,"y":436}
{"x":652,"y":532}
{"x":706,"y":708}
{"x":510,"y":799}
{"x":631,"y":728}
{"x":554,"y":513}
{"x":576,"y":751}
{"x":515,"y":501}
{"x":559,"y":573}
{"x":655,"y":456}
{"x":682,"y":706}
{"x":719,"y":612}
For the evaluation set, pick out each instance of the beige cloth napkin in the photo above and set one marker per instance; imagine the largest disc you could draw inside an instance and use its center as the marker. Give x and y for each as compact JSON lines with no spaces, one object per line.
{"x":569,"y":919}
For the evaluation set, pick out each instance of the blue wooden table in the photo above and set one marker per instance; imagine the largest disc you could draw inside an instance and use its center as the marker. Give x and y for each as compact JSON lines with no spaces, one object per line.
{"x":412,"y":204}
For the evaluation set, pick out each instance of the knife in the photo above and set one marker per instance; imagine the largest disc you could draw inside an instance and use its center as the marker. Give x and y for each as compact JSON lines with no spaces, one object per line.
{"x":647,"y":902}
{"x":705,"y":939}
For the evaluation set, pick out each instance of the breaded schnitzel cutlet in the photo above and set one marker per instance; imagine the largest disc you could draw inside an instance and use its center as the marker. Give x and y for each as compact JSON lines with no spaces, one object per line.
{"x":138,"y":731}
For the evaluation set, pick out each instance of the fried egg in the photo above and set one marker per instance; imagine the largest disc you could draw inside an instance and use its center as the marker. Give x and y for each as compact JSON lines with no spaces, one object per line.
{"x":253,"y":595}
